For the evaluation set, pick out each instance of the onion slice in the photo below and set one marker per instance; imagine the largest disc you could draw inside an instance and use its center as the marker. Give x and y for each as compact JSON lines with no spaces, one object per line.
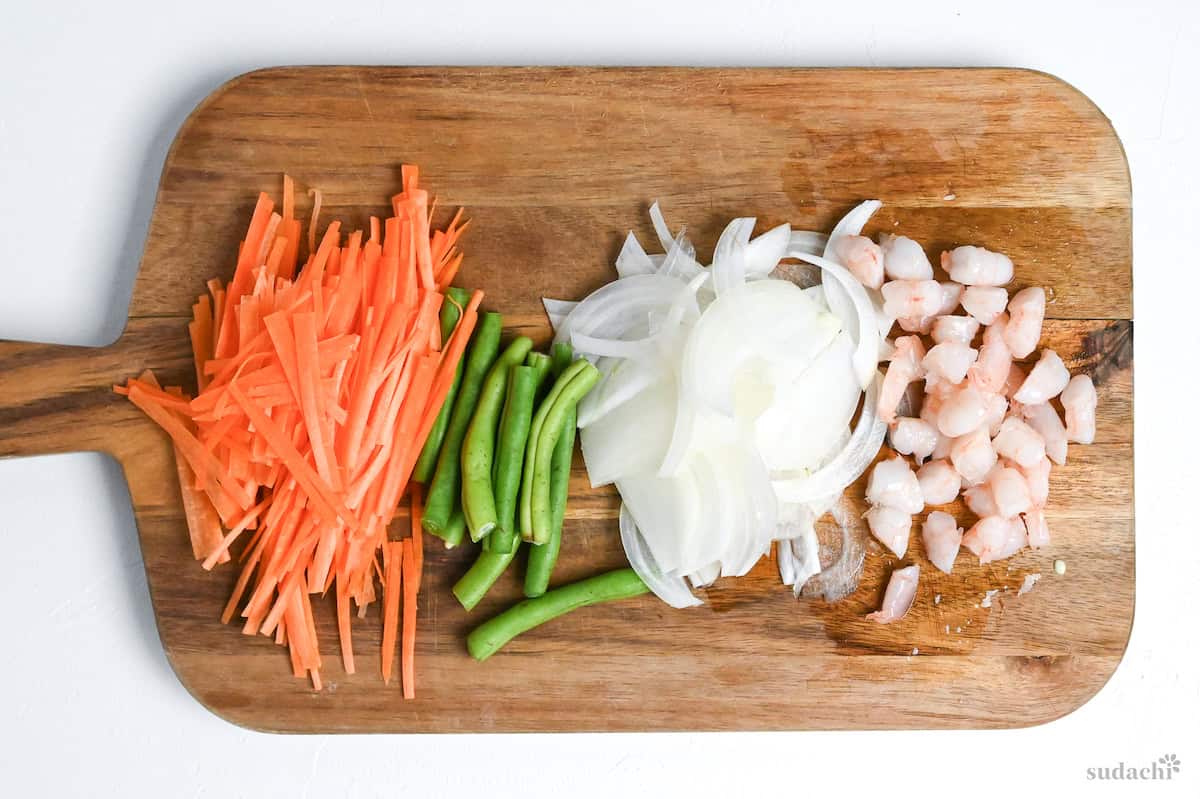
{"x":672,"y":590}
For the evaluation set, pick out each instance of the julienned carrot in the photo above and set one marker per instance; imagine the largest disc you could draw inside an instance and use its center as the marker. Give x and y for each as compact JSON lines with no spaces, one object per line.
{"x":316,"y":391}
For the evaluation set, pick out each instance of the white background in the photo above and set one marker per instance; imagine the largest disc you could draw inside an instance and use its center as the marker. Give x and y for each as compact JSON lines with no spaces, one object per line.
{"x":89,"y":102}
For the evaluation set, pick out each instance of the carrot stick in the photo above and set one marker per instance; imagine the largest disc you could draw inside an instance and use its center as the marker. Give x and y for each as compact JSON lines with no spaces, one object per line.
{"x":408,"y":640}
{"x":391,"y":606}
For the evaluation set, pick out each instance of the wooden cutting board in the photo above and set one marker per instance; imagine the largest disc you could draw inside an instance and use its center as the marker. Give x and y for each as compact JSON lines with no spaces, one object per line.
{"x":554,"y":165}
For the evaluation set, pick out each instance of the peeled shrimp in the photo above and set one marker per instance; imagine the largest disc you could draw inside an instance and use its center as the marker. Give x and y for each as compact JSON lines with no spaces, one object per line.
{"x":898,"y":598}
{"x":942,"y":537}
{"x":995,"y":538}
{"x":996,"y":408}
{"x":911,"y":299}
{"x":903,"y":258}
{"x":862,"y":257}
{"x":1019,"y":442}
{"x":893,"y":484}
{"x":962,"y":412}
{"x":1079,"y":401}
{"x":1044,"y":419}
{"x":1026,"y":311}
{"x":949,"y":361}
{"x":1036,"y":527}
{"x":915,"y":325}
{"x":914,"y":437}
{"x":975,"y":266}
{"x":973,"y":456}
{"x":1016,"y":376}
{"x":985,"y":303}
{"x":954,"y":328}
{"x":904,"y":368}
{"x":951,"y":295}
{"x":939,"y":482}
{"x":1010,"y":492}
{"x":979,"y":500}
{"x":1046,"y":381}
{"x":994,"y":364}
{"x":891,"y":526}
{"x":1038,"y":479}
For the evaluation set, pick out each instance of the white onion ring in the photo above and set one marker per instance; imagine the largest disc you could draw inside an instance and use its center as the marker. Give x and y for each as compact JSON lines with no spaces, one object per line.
{"x":672,"y":590}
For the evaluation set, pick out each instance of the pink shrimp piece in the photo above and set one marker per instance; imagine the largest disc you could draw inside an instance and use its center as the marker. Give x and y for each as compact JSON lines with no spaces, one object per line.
{"x":1010,"y":492}
{"x":904,"y":368}
{"x":1016,"y":376}
{"x":1038,"y":530}
{"x":975,"y":266}
{"x":942,"y":537}
{"x":951,"y":295}
{"x":916,"y":325}
{"x":893,"y":484}
{"x":891,"y":527}
{"x":979,"y":500}
{"x":985,"y":303}
{"x":1026,"y":312}
{"x":939,"y":483}
{"x":1038,"y":479}
{"x":962,"y":412}
{"x":994,"y":363}
{"x":903,"y":258}
{"x":961,"y":329}
{"x":914,"y":437}
{"x":996,"y":408}
{"x":1044,"y":419}
{"x":1079,"y":401}
{"x":949,"y":361}
{"x":973,"y":456}
{"x":995,"y":538}
{"x":898,"y":598}
{"x":1019,"y":442}
{"x":862,"y":257}
{"x":1046,"y":381}
{"x":911,"y":299}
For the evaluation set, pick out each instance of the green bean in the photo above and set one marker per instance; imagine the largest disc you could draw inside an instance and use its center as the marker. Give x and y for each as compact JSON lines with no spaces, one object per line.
{"x":535,"y":428}
{"x":443,"y":491}
{"x":455,"y":529}
{"x":542,"y":365}
{"x":479,"y":447}
{"x":510,"y":454}
{"x":452,"y":306}
{"x":483,"y":573}
{"x":542,"y":559}
{"x":560,"y":357}
{"x":578,"y":385}
{"x":486,"y":639}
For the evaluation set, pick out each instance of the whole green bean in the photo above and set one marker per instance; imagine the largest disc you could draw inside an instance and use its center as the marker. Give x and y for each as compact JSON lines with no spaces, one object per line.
{"x":455,"y":529}
{"x":542,"y":559}
{"x":486,"y":639}
{"x":484,"y":572}
{"x":456,"y":300}
{"x":542,"y":364}
{"x":535,"y":431}
{"x":479,"y":447}
{"x":552,"y":429}
{"x":510,"y":455}
{"x":443,"y":494}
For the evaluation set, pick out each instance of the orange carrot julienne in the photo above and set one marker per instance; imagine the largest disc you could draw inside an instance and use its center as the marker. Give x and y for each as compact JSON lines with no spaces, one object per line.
{"x":391,"y":606}
{"x":408,"y":635}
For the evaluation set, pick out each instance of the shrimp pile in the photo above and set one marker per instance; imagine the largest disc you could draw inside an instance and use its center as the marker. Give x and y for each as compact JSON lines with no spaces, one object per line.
{"x":984,"y":426}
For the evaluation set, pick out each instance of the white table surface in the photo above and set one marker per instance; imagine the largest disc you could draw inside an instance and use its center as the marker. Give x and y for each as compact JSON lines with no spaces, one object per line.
{"x":89,"y":102}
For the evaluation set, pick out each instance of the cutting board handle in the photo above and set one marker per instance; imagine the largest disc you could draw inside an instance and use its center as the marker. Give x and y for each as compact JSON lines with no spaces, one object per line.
{"x":58,"y":398}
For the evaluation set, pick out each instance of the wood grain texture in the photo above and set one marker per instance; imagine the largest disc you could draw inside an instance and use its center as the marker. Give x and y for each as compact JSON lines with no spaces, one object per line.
{"x":554,"y":166}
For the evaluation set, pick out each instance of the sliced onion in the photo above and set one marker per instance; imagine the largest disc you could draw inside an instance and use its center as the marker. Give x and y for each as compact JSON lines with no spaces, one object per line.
{"x":729,"y":256}
{"x":849,"y":225}
{"x":661,"y":229}
{"x":702,"y":578}
{"x":620,"y":381}
{"x":644,"y":419}
{"x":632,"y":260}
{"x":557,"y":311}
{"x":620,"y":309}
{"x":809,"y":241}
{"x":672,"y":590}
{"x":765,"y":252}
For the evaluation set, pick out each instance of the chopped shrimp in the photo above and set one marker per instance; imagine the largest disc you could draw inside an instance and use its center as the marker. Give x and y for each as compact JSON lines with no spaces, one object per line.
{"x":893,"y":484}
{"x":954,"y":328}
{"x":911,"y":299}
{"x":914,"y":437}
{"x":975,"y":266}
{"x":1026,"y":311}
{"x":996,"y":408}
{"x":1010,"y":492}
{"x":949,"y":361}
{"x":942,"y":537}
{"x":898,"y":598}
{"x":916,"y":325}
{"x":1079,"y":401}
{"x":903,"y":258}
{"x":1038,"y":530}
{"x":962,"y":412}
{"x":904,"y":368}
{"x":992,"y":367}
{"x":951,"y":295}
{"x":979,"y":500}
{"x":939,"y":483}
{"x":891,"y":526}
{"x":1016,"y":376}
{"x":1019,"y":442}
{"x":862,"y":257}
{"x":941,"y":450}
{"x":973,"y":456}
{"x":995,"y":538}
{"x":1044,"y":419}
{"x":1038,"y":479}
{"x":985,"y":303}
{"x":1046,"y":381}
